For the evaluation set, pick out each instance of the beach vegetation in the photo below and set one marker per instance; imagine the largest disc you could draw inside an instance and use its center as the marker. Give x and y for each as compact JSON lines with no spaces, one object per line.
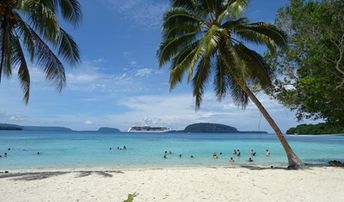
{"x":311,"y":69}
{"x":131,"y":197}
{"x":208,"y":39}
{"x":316,"y":129}
{"x":30,"y":31}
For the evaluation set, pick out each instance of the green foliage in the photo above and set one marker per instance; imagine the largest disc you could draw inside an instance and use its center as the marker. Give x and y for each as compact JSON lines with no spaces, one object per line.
{"x":131,"y":197}
{"x":30,"y":28}
{"x":321,"y":128}
{"x":312,"y":68}
{"x":207,"y":39}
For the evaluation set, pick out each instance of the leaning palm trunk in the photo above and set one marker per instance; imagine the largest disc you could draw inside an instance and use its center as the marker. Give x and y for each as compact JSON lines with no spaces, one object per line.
{"x":293,"y":161}
{"x":207,"y":38}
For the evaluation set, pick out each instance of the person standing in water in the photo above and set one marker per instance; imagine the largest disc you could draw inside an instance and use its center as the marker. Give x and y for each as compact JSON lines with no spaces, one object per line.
{"x":235,"y":152}
{"x":238,"y":153}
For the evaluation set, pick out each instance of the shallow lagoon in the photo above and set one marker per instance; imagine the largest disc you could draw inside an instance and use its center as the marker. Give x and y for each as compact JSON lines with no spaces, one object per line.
{"x":92,"y":150}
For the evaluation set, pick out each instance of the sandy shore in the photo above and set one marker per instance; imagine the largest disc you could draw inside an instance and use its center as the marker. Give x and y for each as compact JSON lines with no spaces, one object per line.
{"x":176,"y":184}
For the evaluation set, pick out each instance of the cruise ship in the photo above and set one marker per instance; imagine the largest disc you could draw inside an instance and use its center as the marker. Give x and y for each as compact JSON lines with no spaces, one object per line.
{"x":148,"y":129}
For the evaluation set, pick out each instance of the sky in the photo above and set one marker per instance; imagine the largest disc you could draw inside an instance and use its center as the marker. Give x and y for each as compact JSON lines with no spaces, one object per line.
{"x":118,"y":82}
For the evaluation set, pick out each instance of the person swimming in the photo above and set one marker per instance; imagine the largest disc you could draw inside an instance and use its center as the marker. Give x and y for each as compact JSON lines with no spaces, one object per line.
{"x":231,"y":160}
{"x":110,"y":148}
{"x":215,"y":156}
{"x":180,"y":155}
{"x":124,"y":147}
{"x":192,"y":156}
{"x":267,"y":153}
{"x":238,"y":153}
{"x":165,"y":152}
{"x":220,"y":153}
{"x":38,"y":153}
{"x":165,"y":157}
{"x":5,"y":154}
{"x":169,"y":152}
{"x":9,"y":149}
{"x":235,"y":152}
{"x":250,"y":160}
{"x":253,"y":153}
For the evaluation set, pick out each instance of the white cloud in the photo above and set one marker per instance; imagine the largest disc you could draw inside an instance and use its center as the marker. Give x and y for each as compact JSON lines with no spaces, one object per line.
{"x":144,"y":72}
{"x":146,"y":13}
{"x":88,"y":122}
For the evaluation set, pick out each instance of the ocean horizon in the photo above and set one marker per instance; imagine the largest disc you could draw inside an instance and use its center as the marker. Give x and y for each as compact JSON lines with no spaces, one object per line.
{"x":89,"y":150}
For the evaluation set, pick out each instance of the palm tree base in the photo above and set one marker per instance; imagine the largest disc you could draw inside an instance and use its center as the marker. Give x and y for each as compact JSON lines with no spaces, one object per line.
{"x":294,"y":163}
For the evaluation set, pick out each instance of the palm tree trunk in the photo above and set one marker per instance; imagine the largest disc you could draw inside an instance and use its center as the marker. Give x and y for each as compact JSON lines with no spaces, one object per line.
{"x":293,"y":161}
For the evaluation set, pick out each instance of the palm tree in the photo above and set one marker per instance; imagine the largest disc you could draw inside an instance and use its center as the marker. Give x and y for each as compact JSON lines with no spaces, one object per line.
{"x":206,"y":38}
{"x":28,"y":28}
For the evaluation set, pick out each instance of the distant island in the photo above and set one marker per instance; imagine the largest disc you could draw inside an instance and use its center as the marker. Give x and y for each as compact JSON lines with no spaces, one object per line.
{"x":108,"y":130}
{"x":209,"y":128}
{"x":192,"y":128}
{"x":5,"y":126}
{"x":214,"y":128}
{"x":315,"y":129}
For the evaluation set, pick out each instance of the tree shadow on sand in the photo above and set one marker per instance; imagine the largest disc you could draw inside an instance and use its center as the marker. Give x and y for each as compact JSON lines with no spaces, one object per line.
{"x":31,"y":176}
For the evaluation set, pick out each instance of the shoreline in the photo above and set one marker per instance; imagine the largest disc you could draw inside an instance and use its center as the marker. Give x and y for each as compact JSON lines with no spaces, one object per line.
{"x":178,"y":167}
{"x":221,"y":184}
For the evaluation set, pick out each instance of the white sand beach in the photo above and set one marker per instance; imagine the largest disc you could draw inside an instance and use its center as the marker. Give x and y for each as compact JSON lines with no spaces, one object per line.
{"x":176,"y":184}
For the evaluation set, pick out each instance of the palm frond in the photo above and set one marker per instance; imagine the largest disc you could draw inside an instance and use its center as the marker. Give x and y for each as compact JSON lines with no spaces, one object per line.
{"x":18,"y":60}
{"x":177,"y":16}
{"x":43,"y":19}
{"x":256,"y":67}
{"x":187,"y":4}
{"x":257,"y":38}
{"x":24,"y":33}
{"x":207,"y":46}
{"x":238,"y":95}
{"x":220,"y":81}
{"x":200,"y":79}
{"x":270,"y":31}
{"x":232,"y":9}
{"x":234,"y":74}
{"x":179,"y":30}
{"x":180,"y":64}
{"x":172,"y":46}
{"x":52,"y":66}
{"x":68,"y":48}
{"x":70,"y":10}
{"x":5,"y":60}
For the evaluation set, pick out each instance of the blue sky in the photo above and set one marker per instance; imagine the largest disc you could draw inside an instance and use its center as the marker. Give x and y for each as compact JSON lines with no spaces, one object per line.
{"x":118,"y":83}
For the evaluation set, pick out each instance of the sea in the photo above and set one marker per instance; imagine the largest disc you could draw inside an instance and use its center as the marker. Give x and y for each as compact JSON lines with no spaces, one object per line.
{"x":91,"y":150}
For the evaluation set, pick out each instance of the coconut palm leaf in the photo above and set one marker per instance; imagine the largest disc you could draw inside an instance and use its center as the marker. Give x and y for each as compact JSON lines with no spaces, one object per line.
{"x":32,"y":28}
{"x":23,"y":71}
{"x":170,"y":46}
{"x":255,"y":66}
{"x":71,"y":10}
{"x":5,"y":62}
{"x":270,"y":31}
{"x":200,"y":79}
{"x":68,"y":48}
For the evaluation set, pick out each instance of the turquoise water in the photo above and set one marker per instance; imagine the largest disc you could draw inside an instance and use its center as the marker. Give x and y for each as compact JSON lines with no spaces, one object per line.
{"x":92,"y":150}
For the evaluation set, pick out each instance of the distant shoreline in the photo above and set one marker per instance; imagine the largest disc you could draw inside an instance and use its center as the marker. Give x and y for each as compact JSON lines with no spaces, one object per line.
{"x":315,"y":134}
